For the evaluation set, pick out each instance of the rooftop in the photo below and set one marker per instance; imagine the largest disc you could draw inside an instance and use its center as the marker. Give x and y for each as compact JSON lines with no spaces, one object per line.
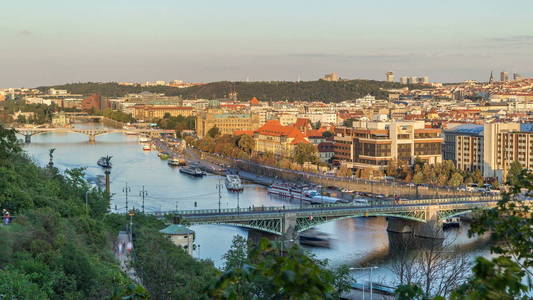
{"x":176,"y":229}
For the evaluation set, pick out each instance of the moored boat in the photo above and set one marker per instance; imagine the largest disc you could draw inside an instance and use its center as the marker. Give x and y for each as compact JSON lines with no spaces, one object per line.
{"x":233,"y":183}
{"x":147,"y":148}
{"x":143,"y":139}
{"x":177,"y":161}
{"x":196,"y":172}
{"x":163,"y":155}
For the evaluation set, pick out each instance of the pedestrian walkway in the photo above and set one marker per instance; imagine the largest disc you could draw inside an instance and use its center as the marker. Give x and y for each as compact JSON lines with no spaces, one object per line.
{"x":123,"y":249}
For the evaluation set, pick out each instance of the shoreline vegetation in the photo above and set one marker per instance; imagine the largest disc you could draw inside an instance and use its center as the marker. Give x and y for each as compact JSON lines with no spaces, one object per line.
{"x":318,"y":90}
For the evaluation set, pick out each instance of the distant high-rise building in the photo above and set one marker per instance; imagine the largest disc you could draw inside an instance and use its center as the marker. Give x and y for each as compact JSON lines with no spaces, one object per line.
{"x":389,"y":76}
{"x":412,"y":80}
{"x":403,"y":80}
{"x":423,"y":80}
{"x":331,"y":77}
{"x":517,"y":76}
{"x":504,"y":76}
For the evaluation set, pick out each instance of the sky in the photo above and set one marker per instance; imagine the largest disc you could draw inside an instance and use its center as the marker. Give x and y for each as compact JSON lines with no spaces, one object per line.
{"x":60,"y":41}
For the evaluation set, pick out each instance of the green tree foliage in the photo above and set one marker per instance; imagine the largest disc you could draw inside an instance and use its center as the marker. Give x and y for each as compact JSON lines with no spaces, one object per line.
{"x":510,"y":224}
{"x":8,"y":143}
{"x":167,"y":271}
{"x":455,"y":180}
{"x":213,"y":132}
{"x":118,"y":116}
{"x":178,"y":123}
{"x":305,"y":152}
{"x":278,"y":90}
{"x":269,"y":275}
{"x":42,"y":113}
{"x":53,"y":249}
{"x":237,"y":255}
{"x":327,"y":134}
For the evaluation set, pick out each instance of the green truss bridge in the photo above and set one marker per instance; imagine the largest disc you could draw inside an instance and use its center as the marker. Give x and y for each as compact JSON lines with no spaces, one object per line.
{"x":421,"y":217}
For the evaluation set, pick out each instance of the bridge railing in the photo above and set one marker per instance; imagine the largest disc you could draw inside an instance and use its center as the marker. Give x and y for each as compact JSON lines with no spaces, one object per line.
{"x":295,"y":208}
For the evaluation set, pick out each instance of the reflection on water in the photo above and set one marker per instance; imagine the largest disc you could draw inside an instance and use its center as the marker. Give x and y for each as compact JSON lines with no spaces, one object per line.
{"x":356,"y":240}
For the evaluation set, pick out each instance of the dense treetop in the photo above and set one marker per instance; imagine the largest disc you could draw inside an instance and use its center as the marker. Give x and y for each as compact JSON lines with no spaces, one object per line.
{"x":264,"y":90}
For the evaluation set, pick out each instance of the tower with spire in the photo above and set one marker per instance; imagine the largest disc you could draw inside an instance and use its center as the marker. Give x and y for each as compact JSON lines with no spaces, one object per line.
{"x":491,"y":79}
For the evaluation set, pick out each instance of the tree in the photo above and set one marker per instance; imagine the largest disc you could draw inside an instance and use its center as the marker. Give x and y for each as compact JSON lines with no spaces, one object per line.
{"x":510,"y":223}
{"x":269,"y":275}
{"x":8,"y":142}
{"x":246,"y":143}
{"x":435,"y":268}
{"x":456,"y":180}
{"x":213,"y":132}
{"x":237,"y":255}
{"x":305,"y":152}
{"x":514,"y":170}
{"x":344,"y":171}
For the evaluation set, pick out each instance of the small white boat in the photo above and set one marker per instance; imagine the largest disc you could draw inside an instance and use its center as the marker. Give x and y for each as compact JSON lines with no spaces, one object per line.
{"x":233,"y":183}
{"x":143,"y":139}
{"x":193,"y":171}
{"x":147,"y":148}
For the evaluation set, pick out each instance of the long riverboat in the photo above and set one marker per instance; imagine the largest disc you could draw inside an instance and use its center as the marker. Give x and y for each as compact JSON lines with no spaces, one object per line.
{"x":192,"y":171}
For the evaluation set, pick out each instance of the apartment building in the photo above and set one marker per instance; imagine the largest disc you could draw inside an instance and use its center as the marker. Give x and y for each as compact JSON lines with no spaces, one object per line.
{"x":372,"y":145}
{"x":226,"y":122}
{"x":275,"y":138}
{"x":490,"y":147}
{"x":150,"y":112}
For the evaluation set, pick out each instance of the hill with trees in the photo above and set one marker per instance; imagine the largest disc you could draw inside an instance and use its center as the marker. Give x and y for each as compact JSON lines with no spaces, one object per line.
{"x":320,"y":90}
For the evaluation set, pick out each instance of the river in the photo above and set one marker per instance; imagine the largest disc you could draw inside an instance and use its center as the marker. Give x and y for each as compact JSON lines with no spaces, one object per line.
{"x":356,"y":240}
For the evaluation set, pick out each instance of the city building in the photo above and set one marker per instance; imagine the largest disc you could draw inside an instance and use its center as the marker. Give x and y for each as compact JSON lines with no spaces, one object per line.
{"x":60,"y":119}
{"x":278,"y":139}
{"x":150,"y":112}
{"x":389,"y":77}
{"x":181,"y":236}
{"x":490,"y":147}
{"x":93,"y":102}
{"x":331,"y":77}
{"x":517,"y":76}
{"x":226,"y":122}
{"x":372,"y":145}
{"x":403,"y":80}
{"x":504,"y":76}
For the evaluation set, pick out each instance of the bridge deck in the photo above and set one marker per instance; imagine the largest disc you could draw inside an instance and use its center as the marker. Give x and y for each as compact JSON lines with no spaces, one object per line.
{"x":331,"y":210}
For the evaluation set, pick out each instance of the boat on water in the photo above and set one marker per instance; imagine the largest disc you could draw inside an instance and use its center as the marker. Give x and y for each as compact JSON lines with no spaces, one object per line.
{"x":177,"y":161}
{"x":143,"y":139}
{"x":315,"y":238}
{"x":297,"y":192}
{"x":163,"y":155}
{"x":233,"y":183}
{"x":193,"y":171}
{"x":130,"y":133}
{"x":146,"y":148}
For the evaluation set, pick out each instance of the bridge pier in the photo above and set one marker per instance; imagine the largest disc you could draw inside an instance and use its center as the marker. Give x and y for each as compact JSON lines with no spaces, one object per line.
{"x":92,"y":138}
{"x":431,"y":228}
{"x":27,"y":138}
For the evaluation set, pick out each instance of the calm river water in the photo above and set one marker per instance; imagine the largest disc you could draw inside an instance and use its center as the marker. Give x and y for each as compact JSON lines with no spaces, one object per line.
{"x":357,"y":240}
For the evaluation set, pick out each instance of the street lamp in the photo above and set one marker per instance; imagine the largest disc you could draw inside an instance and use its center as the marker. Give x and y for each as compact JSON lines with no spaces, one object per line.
{"x":370,"y":279}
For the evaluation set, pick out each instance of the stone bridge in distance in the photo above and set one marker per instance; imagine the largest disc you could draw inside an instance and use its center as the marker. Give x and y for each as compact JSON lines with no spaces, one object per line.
{"x":422,"y":217}
{"x":92,"y":133}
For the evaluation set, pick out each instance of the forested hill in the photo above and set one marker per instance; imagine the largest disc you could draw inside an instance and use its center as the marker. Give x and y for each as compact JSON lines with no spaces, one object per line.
{"x":272,"y":90}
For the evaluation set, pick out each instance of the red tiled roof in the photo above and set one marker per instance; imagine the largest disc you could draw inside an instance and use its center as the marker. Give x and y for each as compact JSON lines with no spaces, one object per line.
{"x":302,"y":123}
{"x":254,"y":101}
{"x":274,"y":128}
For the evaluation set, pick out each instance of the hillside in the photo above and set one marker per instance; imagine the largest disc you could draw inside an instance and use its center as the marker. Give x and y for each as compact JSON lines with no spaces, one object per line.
{"x":273,"y":90}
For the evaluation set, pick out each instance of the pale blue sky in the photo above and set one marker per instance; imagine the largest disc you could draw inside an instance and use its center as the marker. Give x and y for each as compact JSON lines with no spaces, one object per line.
{"x":58,"y":41}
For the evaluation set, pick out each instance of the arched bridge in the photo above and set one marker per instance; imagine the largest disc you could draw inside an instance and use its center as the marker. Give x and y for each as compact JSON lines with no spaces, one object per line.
{"x":92,"y":133}
{"x":419,"y":216}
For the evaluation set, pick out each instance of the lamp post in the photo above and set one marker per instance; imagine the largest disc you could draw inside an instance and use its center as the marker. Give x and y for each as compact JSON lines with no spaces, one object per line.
{"x":370,"y":279}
